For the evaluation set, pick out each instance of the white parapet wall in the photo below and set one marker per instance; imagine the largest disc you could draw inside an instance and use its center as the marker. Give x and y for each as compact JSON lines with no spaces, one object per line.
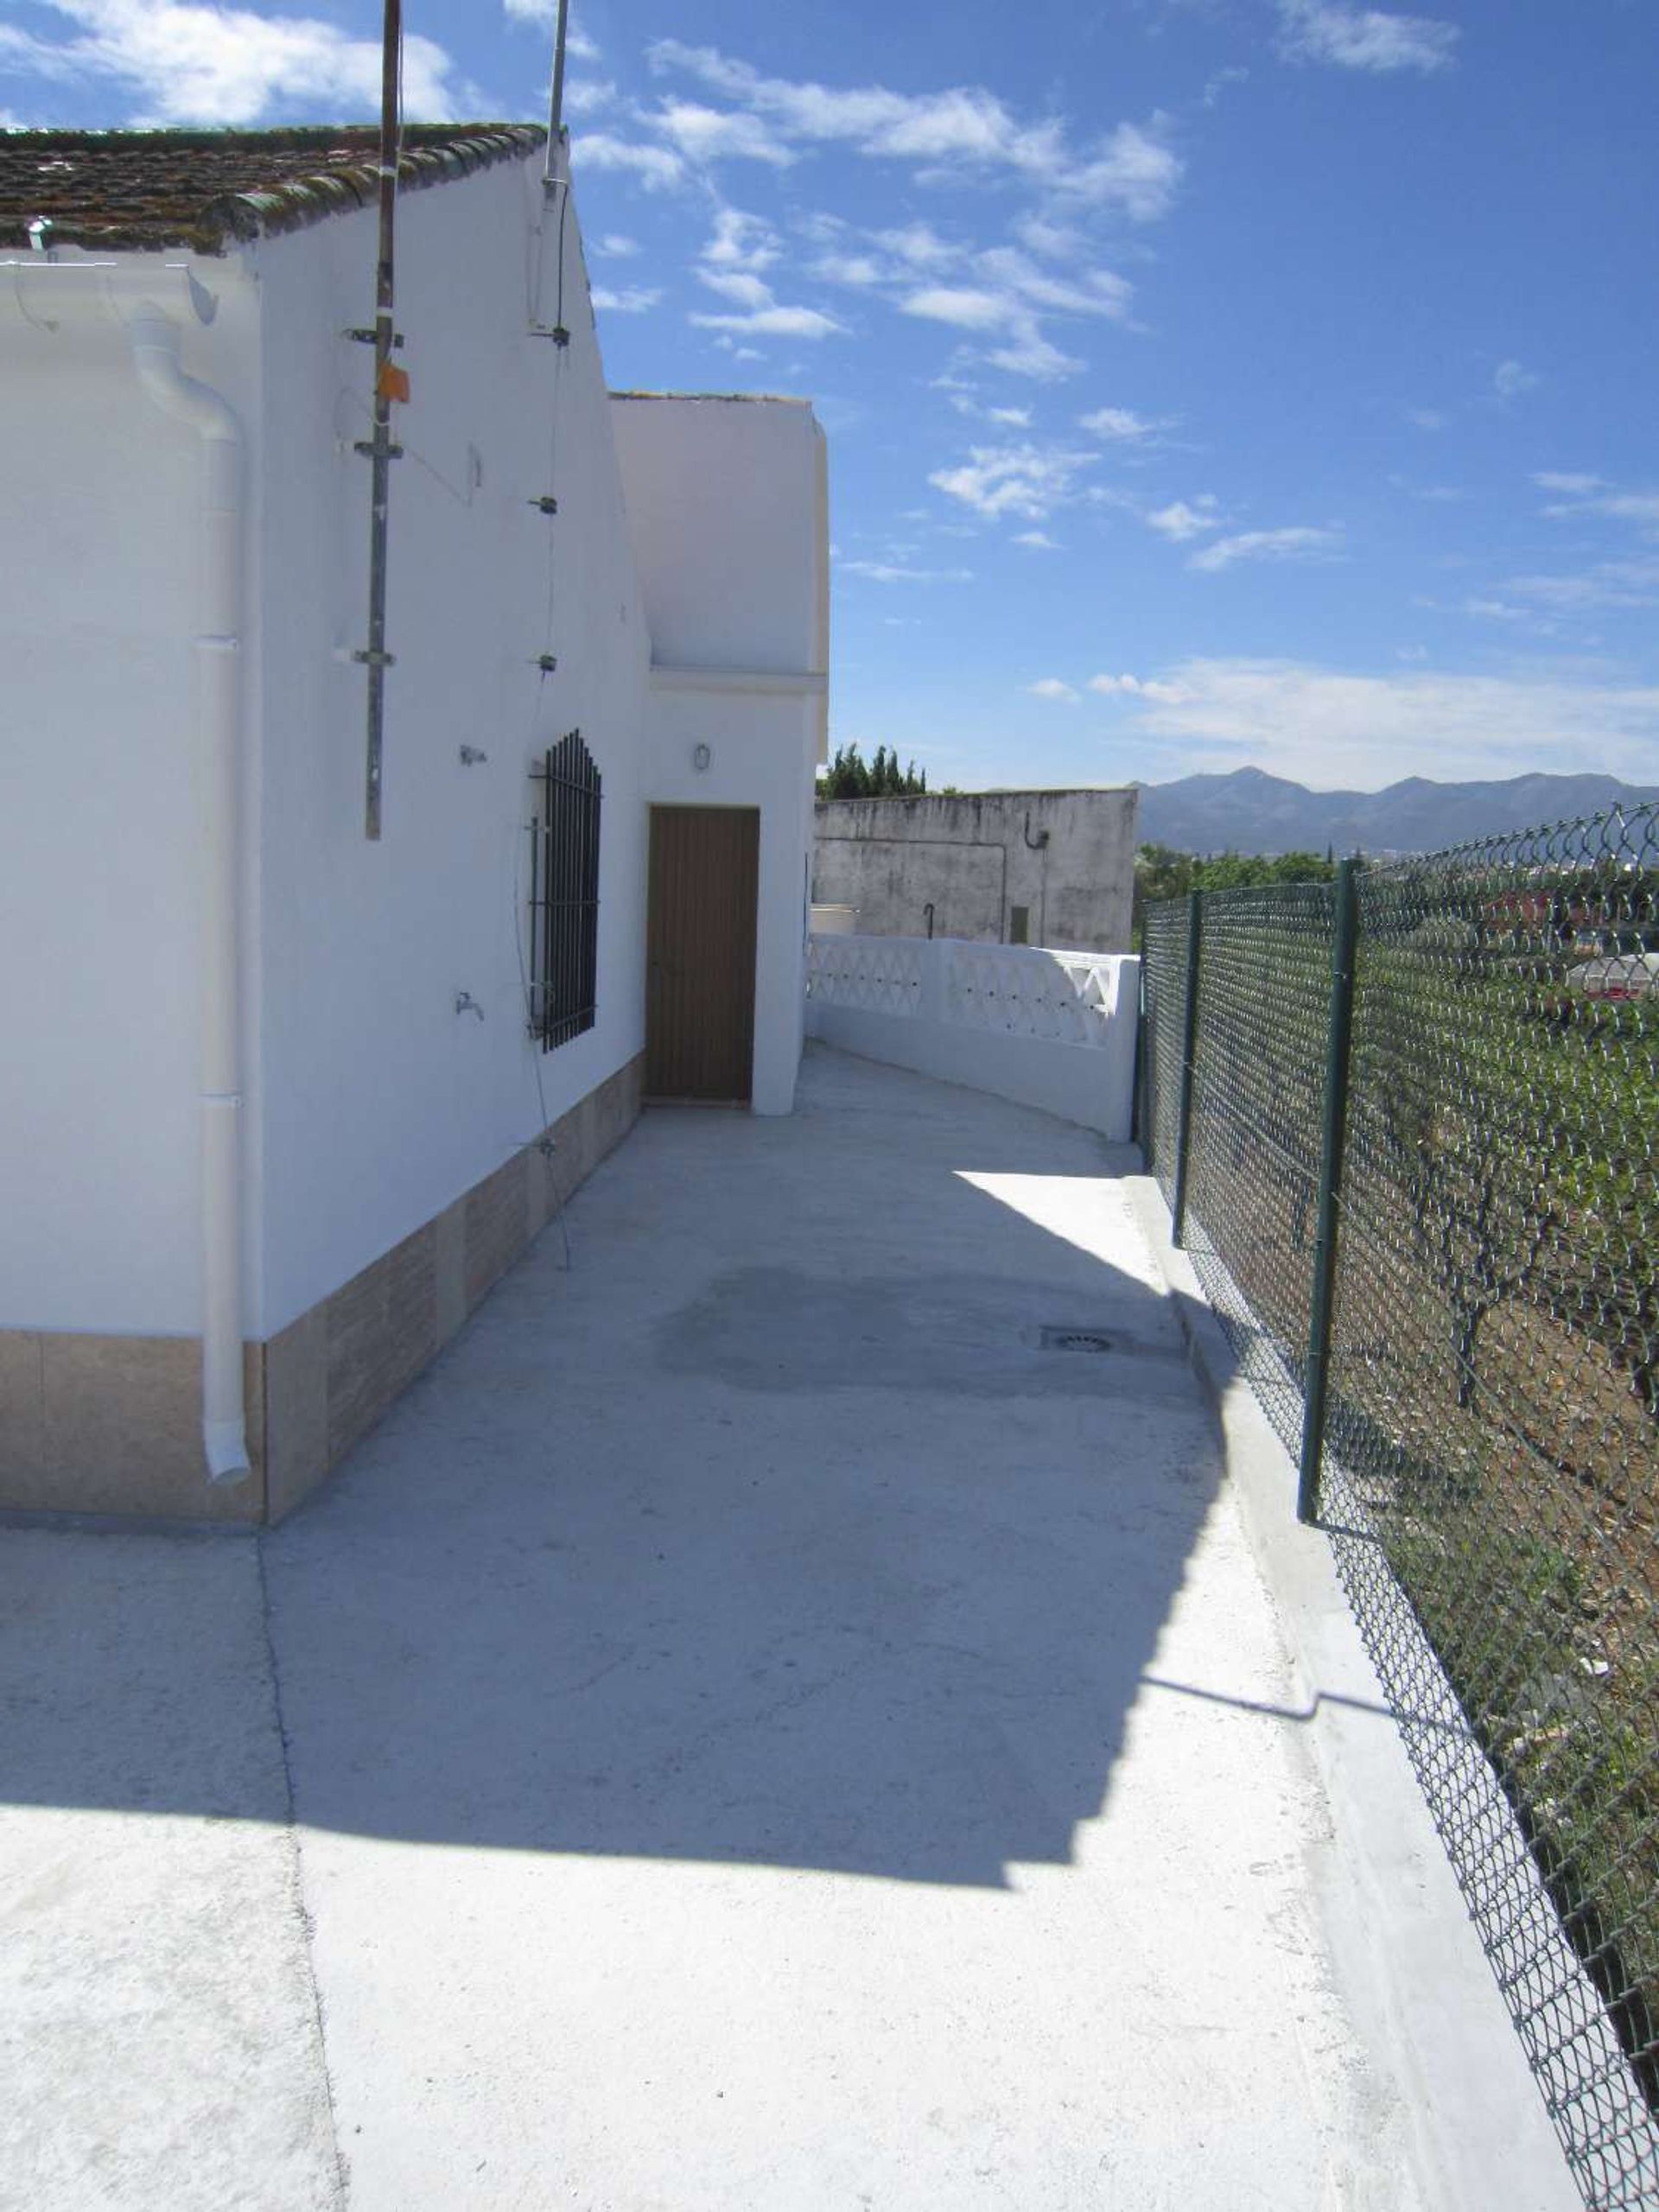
{"x":1054,"y":1030}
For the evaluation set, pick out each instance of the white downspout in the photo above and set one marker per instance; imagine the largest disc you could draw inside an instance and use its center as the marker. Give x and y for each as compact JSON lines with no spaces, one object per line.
{"x":154,"y":339}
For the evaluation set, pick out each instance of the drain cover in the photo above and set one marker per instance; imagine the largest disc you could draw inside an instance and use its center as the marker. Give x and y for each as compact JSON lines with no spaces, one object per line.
{"x":1058,"y":1339}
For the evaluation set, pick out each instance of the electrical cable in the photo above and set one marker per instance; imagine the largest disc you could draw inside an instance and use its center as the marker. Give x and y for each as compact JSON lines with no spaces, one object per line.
{"x":542,"y":1141}
{"x":543,"y":1144}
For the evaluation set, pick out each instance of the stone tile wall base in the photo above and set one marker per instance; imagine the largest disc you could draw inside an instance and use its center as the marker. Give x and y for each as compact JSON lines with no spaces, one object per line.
{"x":111,"y":1425}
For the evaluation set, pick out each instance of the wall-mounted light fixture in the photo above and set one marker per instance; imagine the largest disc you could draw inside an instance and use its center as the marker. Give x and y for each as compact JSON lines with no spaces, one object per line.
{"x":701,"y":756}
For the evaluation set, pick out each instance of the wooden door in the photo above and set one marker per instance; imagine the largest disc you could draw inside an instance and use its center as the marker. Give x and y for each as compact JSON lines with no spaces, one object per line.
{"x":705,"y":864}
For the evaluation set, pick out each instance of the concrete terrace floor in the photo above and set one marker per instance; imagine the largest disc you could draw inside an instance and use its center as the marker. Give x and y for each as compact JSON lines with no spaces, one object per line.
{"x":751,"y":1729}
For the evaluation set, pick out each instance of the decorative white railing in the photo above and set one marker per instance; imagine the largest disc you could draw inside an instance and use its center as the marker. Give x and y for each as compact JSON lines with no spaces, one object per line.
{"x":1006,"y":1018}
{"x":884,"y":973}
{"x":1019,"y":991}
{"x":1065,"y":996}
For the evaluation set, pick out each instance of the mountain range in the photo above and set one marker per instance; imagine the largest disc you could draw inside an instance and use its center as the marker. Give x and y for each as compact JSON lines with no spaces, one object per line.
{"x":1250,"y":811}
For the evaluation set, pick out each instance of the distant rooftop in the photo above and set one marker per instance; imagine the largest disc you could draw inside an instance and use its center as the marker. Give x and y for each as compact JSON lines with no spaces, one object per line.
{"x":128,"y":191}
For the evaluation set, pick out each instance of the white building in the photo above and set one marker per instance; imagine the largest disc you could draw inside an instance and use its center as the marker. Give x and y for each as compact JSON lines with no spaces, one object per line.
{"x":273,"y":1116}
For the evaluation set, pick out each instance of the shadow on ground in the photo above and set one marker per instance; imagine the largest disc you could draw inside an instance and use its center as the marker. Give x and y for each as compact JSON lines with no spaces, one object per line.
{"x":769,"y":1534}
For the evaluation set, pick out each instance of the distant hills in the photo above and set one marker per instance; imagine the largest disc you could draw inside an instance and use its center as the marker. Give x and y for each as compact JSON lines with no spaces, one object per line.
{"x":1250,"y":811}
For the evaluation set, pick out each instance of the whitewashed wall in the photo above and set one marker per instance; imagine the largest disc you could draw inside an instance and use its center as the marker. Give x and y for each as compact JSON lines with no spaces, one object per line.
{"x":99,"y":1124}
{"x":1055,"y":1030}
{"x":727,"y":508}
{"x":369,"y":1104}
{"x":384,"y":1105}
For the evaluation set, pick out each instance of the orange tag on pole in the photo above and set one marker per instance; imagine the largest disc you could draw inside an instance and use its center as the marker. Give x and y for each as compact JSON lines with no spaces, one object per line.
{"x":392,"y":382}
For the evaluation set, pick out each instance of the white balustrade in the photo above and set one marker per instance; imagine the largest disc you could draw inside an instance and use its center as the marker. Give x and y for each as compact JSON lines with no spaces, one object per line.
{"x":1021,"y":1021}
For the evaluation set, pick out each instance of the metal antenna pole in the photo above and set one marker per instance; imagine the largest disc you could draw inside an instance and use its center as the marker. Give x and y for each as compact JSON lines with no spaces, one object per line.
{"x":379,"y":447}
{"x":555,"y":105}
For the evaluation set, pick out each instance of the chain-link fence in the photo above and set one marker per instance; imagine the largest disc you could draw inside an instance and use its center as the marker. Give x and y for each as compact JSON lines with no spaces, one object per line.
{"x":1482,"y":1318}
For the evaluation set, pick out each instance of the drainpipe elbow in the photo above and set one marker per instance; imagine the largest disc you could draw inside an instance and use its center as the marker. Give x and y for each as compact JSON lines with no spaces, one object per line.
{"x":224,"y":1445}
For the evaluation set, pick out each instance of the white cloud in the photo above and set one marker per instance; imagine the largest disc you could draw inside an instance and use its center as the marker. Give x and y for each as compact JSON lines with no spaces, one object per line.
{"x":1090,"y":291}
{"x":1328,"y":727}
{"x":1605,"y":587}
{"x":1301,"y":543}
{"x":775,"y":322}
{"x":1051,"y":687}
{"x":1054,"y":241}
{"x":588,"y":95}
{"x":857,"y":269}
{"x":958,"y":305}
{"x":1639,"y":507}
{"x":1001,"y":293}
{"x":1427,"y":418}
{"x":577,"y":43}
{"x":739,"y":247}
{"x":740,"y":241}
{"x":1039,"y":540}
{"x":1510,"y":380}
{"x":1436,"y":494}
{"x":200,"y":63}
{"x":1135,"y":171}
{"x":1119,"y":423}
{"x":1132,"y":169}
{"x":1028,"y":353}
{"x":919,"y":245}
{"x":1218,"y":82}
{"x":1027,"y":480}
{"x":895,"y":572}
{"x":1554,"y":480}
{"x":962,"y":393}
{"x":1180,"y":521}
{"x":617,"y":246}
{"x":1363,"y":38}
{"x":1025,"y":352}
{"x":739,"y":286}
{"x":708,"y":134}
{"x":1135,"y":687}
{"x":656,"y":166}
{"x":632,"y":298}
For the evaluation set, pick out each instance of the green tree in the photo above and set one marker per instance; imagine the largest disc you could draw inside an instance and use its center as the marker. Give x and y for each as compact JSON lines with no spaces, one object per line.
{"x":850,"y":776}
{"x":1161,"y":872}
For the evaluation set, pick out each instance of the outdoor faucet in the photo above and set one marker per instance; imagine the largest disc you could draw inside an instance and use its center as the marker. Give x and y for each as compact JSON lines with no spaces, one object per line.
{"x":465,"y":1003}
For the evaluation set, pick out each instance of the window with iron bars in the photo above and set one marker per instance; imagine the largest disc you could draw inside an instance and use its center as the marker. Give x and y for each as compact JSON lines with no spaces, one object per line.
{"x":564,"y":893}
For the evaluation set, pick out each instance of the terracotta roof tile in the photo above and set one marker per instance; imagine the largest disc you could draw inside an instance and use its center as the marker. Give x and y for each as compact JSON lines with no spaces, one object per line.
{"x":128,"y":190}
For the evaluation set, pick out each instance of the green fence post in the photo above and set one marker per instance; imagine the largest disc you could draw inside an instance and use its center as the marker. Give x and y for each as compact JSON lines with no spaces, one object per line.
{"x":1189,"y":1056}
{"x":1339,"y":1039}
{"x":1139,"y":1133}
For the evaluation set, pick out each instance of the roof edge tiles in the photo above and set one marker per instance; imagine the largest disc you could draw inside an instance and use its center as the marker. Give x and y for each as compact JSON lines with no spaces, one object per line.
{"x":135,"y":191}
{"x":721,"y":398}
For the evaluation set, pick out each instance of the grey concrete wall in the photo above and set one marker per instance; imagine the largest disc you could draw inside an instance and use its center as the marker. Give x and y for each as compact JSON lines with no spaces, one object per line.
{"x":1067,"y":857}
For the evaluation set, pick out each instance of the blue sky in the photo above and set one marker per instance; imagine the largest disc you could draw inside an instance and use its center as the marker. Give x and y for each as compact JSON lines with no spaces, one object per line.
{"x":1207,"y":381}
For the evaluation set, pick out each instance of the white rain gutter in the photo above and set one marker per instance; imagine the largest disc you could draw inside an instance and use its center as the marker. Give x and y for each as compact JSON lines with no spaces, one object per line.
{"x":48,"y":295}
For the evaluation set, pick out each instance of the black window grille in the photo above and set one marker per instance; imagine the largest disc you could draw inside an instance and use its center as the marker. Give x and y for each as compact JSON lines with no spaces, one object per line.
{"x":564,"y":894}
